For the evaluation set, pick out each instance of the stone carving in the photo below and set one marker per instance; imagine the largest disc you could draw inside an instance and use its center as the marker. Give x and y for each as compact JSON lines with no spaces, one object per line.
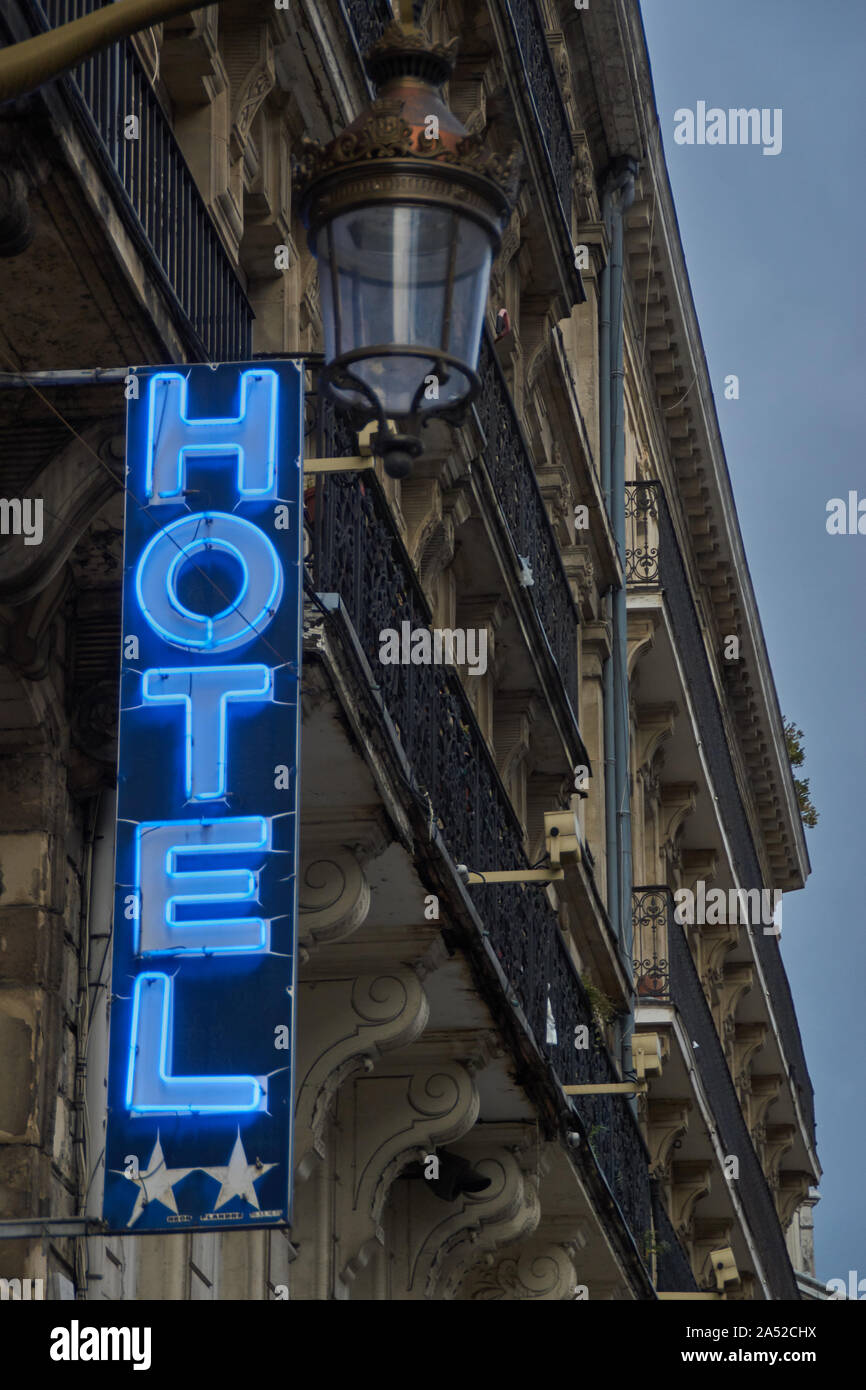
{"x":387,"y":1120}
{"x":667,"y":1122}
{"x":333,"y":895}
{"x":447,"y":1240}
{"x":692,"y":1180}
{"x":539,"y":1270}
{"x":346,"y":1025}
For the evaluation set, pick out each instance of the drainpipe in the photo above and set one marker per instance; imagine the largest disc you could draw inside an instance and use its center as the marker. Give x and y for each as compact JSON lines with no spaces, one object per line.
{"x":618,"y":198}
{"x":622,"y":181}
{"x":611,"y":855}
{"x":604,"y":359}
{"x":604,"y":381}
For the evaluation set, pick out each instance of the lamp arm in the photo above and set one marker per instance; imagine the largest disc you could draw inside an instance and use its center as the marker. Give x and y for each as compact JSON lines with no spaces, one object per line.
{"x":27,"y":65}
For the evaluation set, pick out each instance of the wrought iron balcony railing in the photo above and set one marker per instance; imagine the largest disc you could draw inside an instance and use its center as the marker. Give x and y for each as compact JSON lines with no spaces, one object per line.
{"x":368,"y":20}
{"x":642,"y":536}
{"x":664,"y":955}
{"x":509,"y":465}
{"x":653,"y":560}
{"x":673,"y":1267}
{"x":155,"y":191}
{"x":543,"y":90}
{"x":652,"y":976}
{"x":356,"y":553}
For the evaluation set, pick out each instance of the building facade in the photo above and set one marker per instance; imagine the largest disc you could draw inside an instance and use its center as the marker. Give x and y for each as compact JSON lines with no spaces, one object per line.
{"x":579,"y":530}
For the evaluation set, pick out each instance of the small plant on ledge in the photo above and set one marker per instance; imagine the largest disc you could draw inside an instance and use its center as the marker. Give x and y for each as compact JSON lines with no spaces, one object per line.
{"x":594,"y":1133}
{"x":652,"y":1246}
{"x":796,"y":755}
{"x":603,"y":1008}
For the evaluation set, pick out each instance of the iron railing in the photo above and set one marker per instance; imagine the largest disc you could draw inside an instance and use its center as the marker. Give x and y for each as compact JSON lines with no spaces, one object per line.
{"x":506,"y":453}
{"x":652,"y":980}
{"x":356,"y":553}
{"x":155,"y":190}
{"x":673,"y":1267}
{"x":543,"y":90}
{"x":509,"y":465}
{"x":641,"y":536}
{"x":653,"y":560}
{"x":653,"y":909}
{"x":368,"y":20}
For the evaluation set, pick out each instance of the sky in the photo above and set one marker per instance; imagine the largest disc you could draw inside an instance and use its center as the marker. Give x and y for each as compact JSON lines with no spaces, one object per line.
{"x":774,"y":246}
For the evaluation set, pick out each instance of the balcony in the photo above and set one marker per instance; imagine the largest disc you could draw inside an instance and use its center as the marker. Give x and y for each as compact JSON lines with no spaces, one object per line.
{"x":367,"y":20}
{"x":154,"y":190}
{"x":509,"y":466}
{"x":654,"y":562}
{"x":544,"y":96}
{"x":665,"y":974}
{"x":356,"y":553}
{"x":673,"y":1272}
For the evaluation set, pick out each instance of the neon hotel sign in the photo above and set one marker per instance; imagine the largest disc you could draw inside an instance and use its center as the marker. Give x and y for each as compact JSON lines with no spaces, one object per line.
{"x":201,"y":1027}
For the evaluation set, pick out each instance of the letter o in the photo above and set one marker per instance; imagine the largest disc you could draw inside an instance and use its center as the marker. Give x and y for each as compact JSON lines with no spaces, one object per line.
{"x":159,"y":569}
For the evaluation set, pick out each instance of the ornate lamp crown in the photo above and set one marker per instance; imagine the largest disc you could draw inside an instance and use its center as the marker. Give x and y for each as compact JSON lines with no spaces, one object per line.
{"x":409,"y":120}
{"x":403,"y":51}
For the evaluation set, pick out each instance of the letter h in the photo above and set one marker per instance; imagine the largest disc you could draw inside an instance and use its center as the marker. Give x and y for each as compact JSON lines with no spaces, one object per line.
{"x":172,"y":436}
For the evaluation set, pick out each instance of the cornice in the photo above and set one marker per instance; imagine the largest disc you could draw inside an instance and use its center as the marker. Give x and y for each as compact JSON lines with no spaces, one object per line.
{"x":618,"y":112}
{"x":624,"y":120}
{"x":704,"y":515}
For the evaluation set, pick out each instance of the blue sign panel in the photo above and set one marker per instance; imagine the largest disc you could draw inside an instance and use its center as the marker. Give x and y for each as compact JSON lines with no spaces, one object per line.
{"x":202,"y":1005}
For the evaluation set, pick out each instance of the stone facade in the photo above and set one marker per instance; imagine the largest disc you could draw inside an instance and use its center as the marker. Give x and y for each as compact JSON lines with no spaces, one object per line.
{"x":433,"y":1015}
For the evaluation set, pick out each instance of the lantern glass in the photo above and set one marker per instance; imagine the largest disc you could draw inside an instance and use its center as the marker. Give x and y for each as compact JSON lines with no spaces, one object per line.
{"x":395,"y":276}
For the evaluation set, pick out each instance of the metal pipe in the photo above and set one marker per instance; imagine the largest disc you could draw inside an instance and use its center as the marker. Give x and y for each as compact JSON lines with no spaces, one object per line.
{"x":113,"y":376}
{"x":621,"y":183}
{"x":27,"y":65}
{"x":611,"y":856}
{"x":48,"y":1227}
{"x":622,"y":740}
{"x":604,"y":363}
{"x":97,"y":376}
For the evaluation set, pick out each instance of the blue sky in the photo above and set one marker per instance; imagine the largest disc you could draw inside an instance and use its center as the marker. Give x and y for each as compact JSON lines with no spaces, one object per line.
{"x":774,"y":248}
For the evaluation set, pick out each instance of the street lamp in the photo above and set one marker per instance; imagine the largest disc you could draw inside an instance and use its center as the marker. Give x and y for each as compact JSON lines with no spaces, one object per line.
{"x":404,"y":211}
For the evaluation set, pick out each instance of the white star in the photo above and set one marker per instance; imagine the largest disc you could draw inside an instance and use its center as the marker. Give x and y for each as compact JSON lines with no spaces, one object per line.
{"x":156,"y":1184}
{"x":238,"y":1177}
